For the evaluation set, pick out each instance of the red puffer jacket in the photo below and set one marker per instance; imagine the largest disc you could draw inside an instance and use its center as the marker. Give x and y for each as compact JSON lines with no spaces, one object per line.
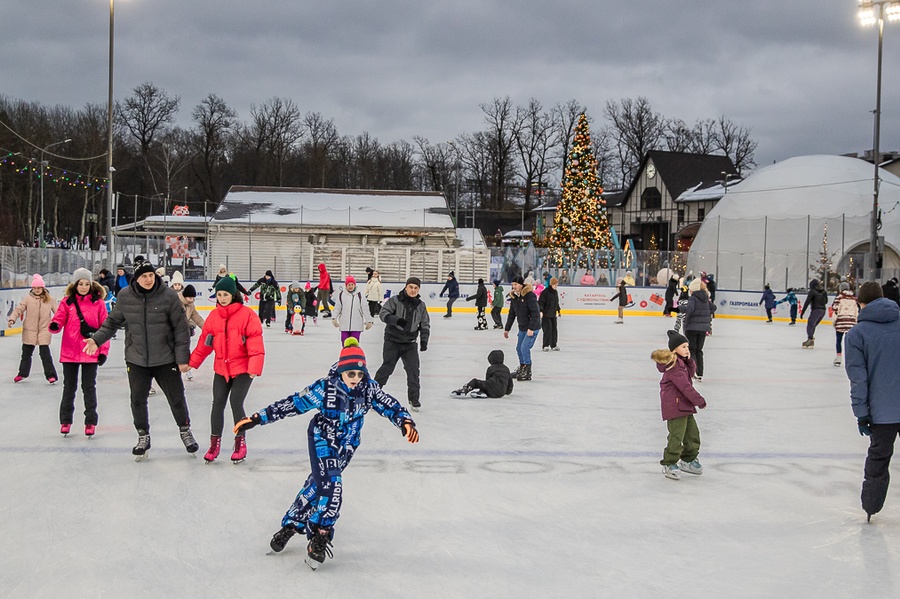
{"x":235,"y":334}
{"x":677,"y":395}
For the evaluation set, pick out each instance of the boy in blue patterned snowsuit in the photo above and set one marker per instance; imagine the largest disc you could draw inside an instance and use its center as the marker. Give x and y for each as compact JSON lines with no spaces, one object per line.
{"x":342,"y":399}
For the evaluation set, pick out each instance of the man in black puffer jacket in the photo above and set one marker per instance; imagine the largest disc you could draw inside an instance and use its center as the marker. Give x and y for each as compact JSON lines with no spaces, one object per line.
{"x":157,"y":346}
{"x":406,"y":318}
{"x":523,"y":307}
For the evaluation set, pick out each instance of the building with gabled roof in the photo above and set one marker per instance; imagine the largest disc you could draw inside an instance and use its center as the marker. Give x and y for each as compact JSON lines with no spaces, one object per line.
{"x":661,"y":208}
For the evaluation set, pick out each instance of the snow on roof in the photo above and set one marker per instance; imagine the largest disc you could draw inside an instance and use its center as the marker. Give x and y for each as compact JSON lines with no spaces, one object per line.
{"x":469,"y":238}
{"x":702,"y":192}
{"x":357,"y":208}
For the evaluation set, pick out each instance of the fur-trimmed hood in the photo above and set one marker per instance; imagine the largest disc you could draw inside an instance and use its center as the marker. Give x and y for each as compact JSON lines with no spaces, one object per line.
{"x":98,"y":292}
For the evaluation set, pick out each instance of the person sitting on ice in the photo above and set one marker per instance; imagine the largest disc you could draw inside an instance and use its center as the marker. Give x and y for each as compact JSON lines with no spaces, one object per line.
{"x":342,"y":399}
{"x":498,"y":381}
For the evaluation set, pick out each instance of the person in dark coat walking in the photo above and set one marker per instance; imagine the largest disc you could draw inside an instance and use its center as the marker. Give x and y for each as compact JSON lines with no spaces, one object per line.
{"x":269,"y":295}
{"x":157,"y":346}
{"x":107,"y":279}
{"x":817,"y":302}
{"x":622,"y":295}
{"x":768,"y":298}
{"x":498,"y":381}
{"x":480,"y":297}
{"x":872,"y":352}
{"x":406,"y":318}
{"x":497,"y":304}
{"x":523,"y":307}
{"x":451,"y":288}
{"x":891,"y":290}
{"x":548,"y":303}
{"x":697,"y":322}
{"x":671,"y":292}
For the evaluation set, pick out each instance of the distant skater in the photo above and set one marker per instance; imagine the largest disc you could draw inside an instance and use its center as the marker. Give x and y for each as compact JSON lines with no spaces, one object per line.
{"x":816,"y":301}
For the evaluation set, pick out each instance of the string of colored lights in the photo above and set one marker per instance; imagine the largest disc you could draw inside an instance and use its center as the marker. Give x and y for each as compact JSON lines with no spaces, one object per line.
{"x":63,"y":176}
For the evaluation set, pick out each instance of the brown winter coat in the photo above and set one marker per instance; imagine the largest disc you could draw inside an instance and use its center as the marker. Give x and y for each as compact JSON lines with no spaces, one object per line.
{"x":190,"y":312}
{"x":38,"y":311}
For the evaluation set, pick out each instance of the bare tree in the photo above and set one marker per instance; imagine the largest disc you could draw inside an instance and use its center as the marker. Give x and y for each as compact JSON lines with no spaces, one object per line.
{"x":322,"y":137}
{"x":474,"y":154}
{"x":536,"y":138}
{"x":734,"y":141}
{"x":215,"y":121}
{"x":636,"y":130}
{"x":501,"y":139}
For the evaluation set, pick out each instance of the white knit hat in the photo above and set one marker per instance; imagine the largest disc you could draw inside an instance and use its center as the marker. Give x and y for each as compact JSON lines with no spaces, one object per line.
{"x":177,"y":277}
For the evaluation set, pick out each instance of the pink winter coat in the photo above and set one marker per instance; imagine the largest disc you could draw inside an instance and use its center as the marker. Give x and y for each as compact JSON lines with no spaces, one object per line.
{"x":677,"y":395}
{"x":94,"y":310}
{"x":38,"y":311}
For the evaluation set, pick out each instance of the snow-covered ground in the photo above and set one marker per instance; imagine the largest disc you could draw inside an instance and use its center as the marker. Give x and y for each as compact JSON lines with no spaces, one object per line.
{"x":554,"y":491}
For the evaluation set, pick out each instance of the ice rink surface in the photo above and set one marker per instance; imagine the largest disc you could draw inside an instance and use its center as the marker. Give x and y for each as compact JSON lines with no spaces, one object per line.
{"x":554,"y":491}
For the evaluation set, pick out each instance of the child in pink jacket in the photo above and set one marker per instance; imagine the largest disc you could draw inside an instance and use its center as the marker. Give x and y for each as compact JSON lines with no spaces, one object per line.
{"x":679,"y":402}
{"x":78,"y":315}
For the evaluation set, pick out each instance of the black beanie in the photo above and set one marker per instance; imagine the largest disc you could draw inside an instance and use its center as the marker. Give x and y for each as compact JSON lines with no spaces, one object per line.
{"x":189,"y":291}
{"x":869,"y":292}
{"x":414,"y":281}
{"x":143,"y":268}
{"x":676,"y":339}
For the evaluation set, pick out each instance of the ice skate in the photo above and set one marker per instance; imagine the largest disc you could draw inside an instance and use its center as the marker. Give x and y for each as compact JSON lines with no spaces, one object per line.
{"x":545,"y":349}
{"x":554,"y":348}
{"x":619,"y":321}
{"x":809,"y":343}
{"x":215,"y":445}
{"x":671,"y":471}
{"x":52,"y":380}
{"x":414,"y":405}
{"x":461,"y":392}
{"x":477,"y":393}
{"x":188,"y":439}
{"x":319,"y":547}
{"x":281,"y":538}
{"x":240,"y":450}
{"x":837,"y":360}
{"x":18,"y":378}
{"x":143,"y":446}
{"x":89,"y":430}
{"x":692,"y":467}
{"x":64,"y":429}
{"x":525,"y":373}
{"x":152,"y":391}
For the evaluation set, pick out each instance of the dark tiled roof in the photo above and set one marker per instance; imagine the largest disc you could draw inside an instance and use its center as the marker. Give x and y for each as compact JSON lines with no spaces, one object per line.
{"x":680,"y":170}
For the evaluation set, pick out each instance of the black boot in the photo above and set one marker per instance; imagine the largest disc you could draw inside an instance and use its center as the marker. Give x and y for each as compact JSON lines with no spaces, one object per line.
{"x":281,"y":538}
{"x":319,"y":547}
{"x":525,"y":373}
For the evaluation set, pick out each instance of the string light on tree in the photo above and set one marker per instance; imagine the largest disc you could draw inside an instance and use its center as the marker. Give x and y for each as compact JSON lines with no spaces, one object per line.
{"x":580,"y":222}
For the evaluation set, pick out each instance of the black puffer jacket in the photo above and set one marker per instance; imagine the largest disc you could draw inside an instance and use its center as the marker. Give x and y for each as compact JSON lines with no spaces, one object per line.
{"x":413,"y":311}
{"x":524,"y":308}
{"x":498,"y":381}
{"x":816,"y":299}
{"x":156,"y":330}
{"x":698,"y":312}
{"x":548,"y":303}
{"x":480,"y":295}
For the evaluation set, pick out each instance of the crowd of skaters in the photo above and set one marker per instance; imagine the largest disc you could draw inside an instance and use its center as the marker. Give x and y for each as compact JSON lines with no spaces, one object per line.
{"x":158,"y":348}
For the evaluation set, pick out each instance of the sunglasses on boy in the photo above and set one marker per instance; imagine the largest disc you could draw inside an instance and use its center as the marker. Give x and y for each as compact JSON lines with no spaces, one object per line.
{"x":354,"y":374}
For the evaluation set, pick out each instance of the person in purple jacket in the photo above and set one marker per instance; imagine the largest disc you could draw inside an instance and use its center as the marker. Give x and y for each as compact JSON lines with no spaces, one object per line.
{"x":679,"y":402}
{"x":872,"y":352}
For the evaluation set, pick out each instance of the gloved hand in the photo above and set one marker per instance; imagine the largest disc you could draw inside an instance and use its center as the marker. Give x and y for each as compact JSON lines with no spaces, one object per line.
{"x":246,"y":424}
{"x":336,"y":323}
{"x":423,"y":347}
{"x":865,"y":426}
{"x":410,"y":432}
{"x":54,"y":326}
{"x":401,"y":322}
{"x":101,"y":359}
{"x":278,"y":302}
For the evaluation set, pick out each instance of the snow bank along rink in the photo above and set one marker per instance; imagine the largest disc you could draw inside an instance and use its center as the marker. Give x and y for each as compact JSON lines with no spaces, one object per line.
{"x":554,"y":491}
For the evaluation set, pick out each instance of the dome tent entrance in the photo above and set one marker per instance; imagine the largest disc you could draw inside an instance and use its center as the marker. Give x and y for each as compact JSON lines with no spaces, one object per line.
{"x":778,"y":225}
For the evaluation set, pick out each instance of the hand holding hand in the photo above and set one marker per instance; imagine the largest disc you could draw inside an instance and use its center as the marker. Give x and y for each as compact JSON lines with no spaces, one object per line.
{"x":54,"y":326}
{"x":865,"y":426}
{"x":246,"y":424}
{"x":184,"y":367}
{"x":410,"y":432}
{"x":90,"y":347}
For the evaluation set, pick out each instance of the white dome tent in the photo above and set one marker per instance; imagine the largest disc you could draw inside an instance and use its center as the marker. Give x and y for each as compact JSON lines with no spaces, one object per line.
{"x":770,"y":227}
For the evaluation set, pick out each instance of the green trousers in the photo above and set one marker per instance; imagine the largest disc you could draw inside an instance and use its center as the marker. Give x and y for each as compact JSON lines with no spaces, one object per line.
{"x":683,"y":442}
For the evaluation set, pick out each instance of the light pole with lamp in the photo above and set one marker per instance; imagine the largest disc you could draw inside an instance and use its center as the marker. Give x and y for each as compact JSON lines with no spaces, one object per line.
{"x":111,"y":239}
{"x":867,"y":16}
{"x":44,"y":165}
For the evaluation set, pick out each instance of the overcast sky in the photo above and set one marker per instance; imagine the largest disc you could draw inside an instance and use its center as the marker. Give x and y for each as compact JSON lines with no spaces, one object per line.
{"x":799,"y":73}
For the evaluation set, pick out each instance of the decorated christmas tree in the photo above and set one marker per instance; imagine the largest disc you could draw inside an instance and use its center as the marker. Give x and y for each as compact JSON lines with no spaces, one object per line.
{"x":824,"y":267}
{"x":580,"y":223}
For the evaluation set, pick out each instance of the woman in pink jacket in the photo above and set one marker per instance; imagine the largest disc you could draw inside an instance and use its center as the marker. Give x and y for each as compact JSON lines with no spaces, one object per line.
{"x":36,"y":310}
{"x":77,"y":317}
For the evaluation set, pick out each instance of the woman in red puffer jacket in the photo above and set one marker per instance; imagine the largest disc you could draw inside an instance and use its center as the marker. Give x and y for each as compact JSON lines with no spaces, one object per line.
{"x":234,"y":333}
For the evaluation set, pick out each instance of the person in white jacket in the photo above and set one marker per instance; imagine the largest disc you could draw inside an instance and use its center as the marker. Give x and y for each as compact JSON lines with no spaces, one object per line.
{"x":349,"y":313}
{"x":374,"y":293}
